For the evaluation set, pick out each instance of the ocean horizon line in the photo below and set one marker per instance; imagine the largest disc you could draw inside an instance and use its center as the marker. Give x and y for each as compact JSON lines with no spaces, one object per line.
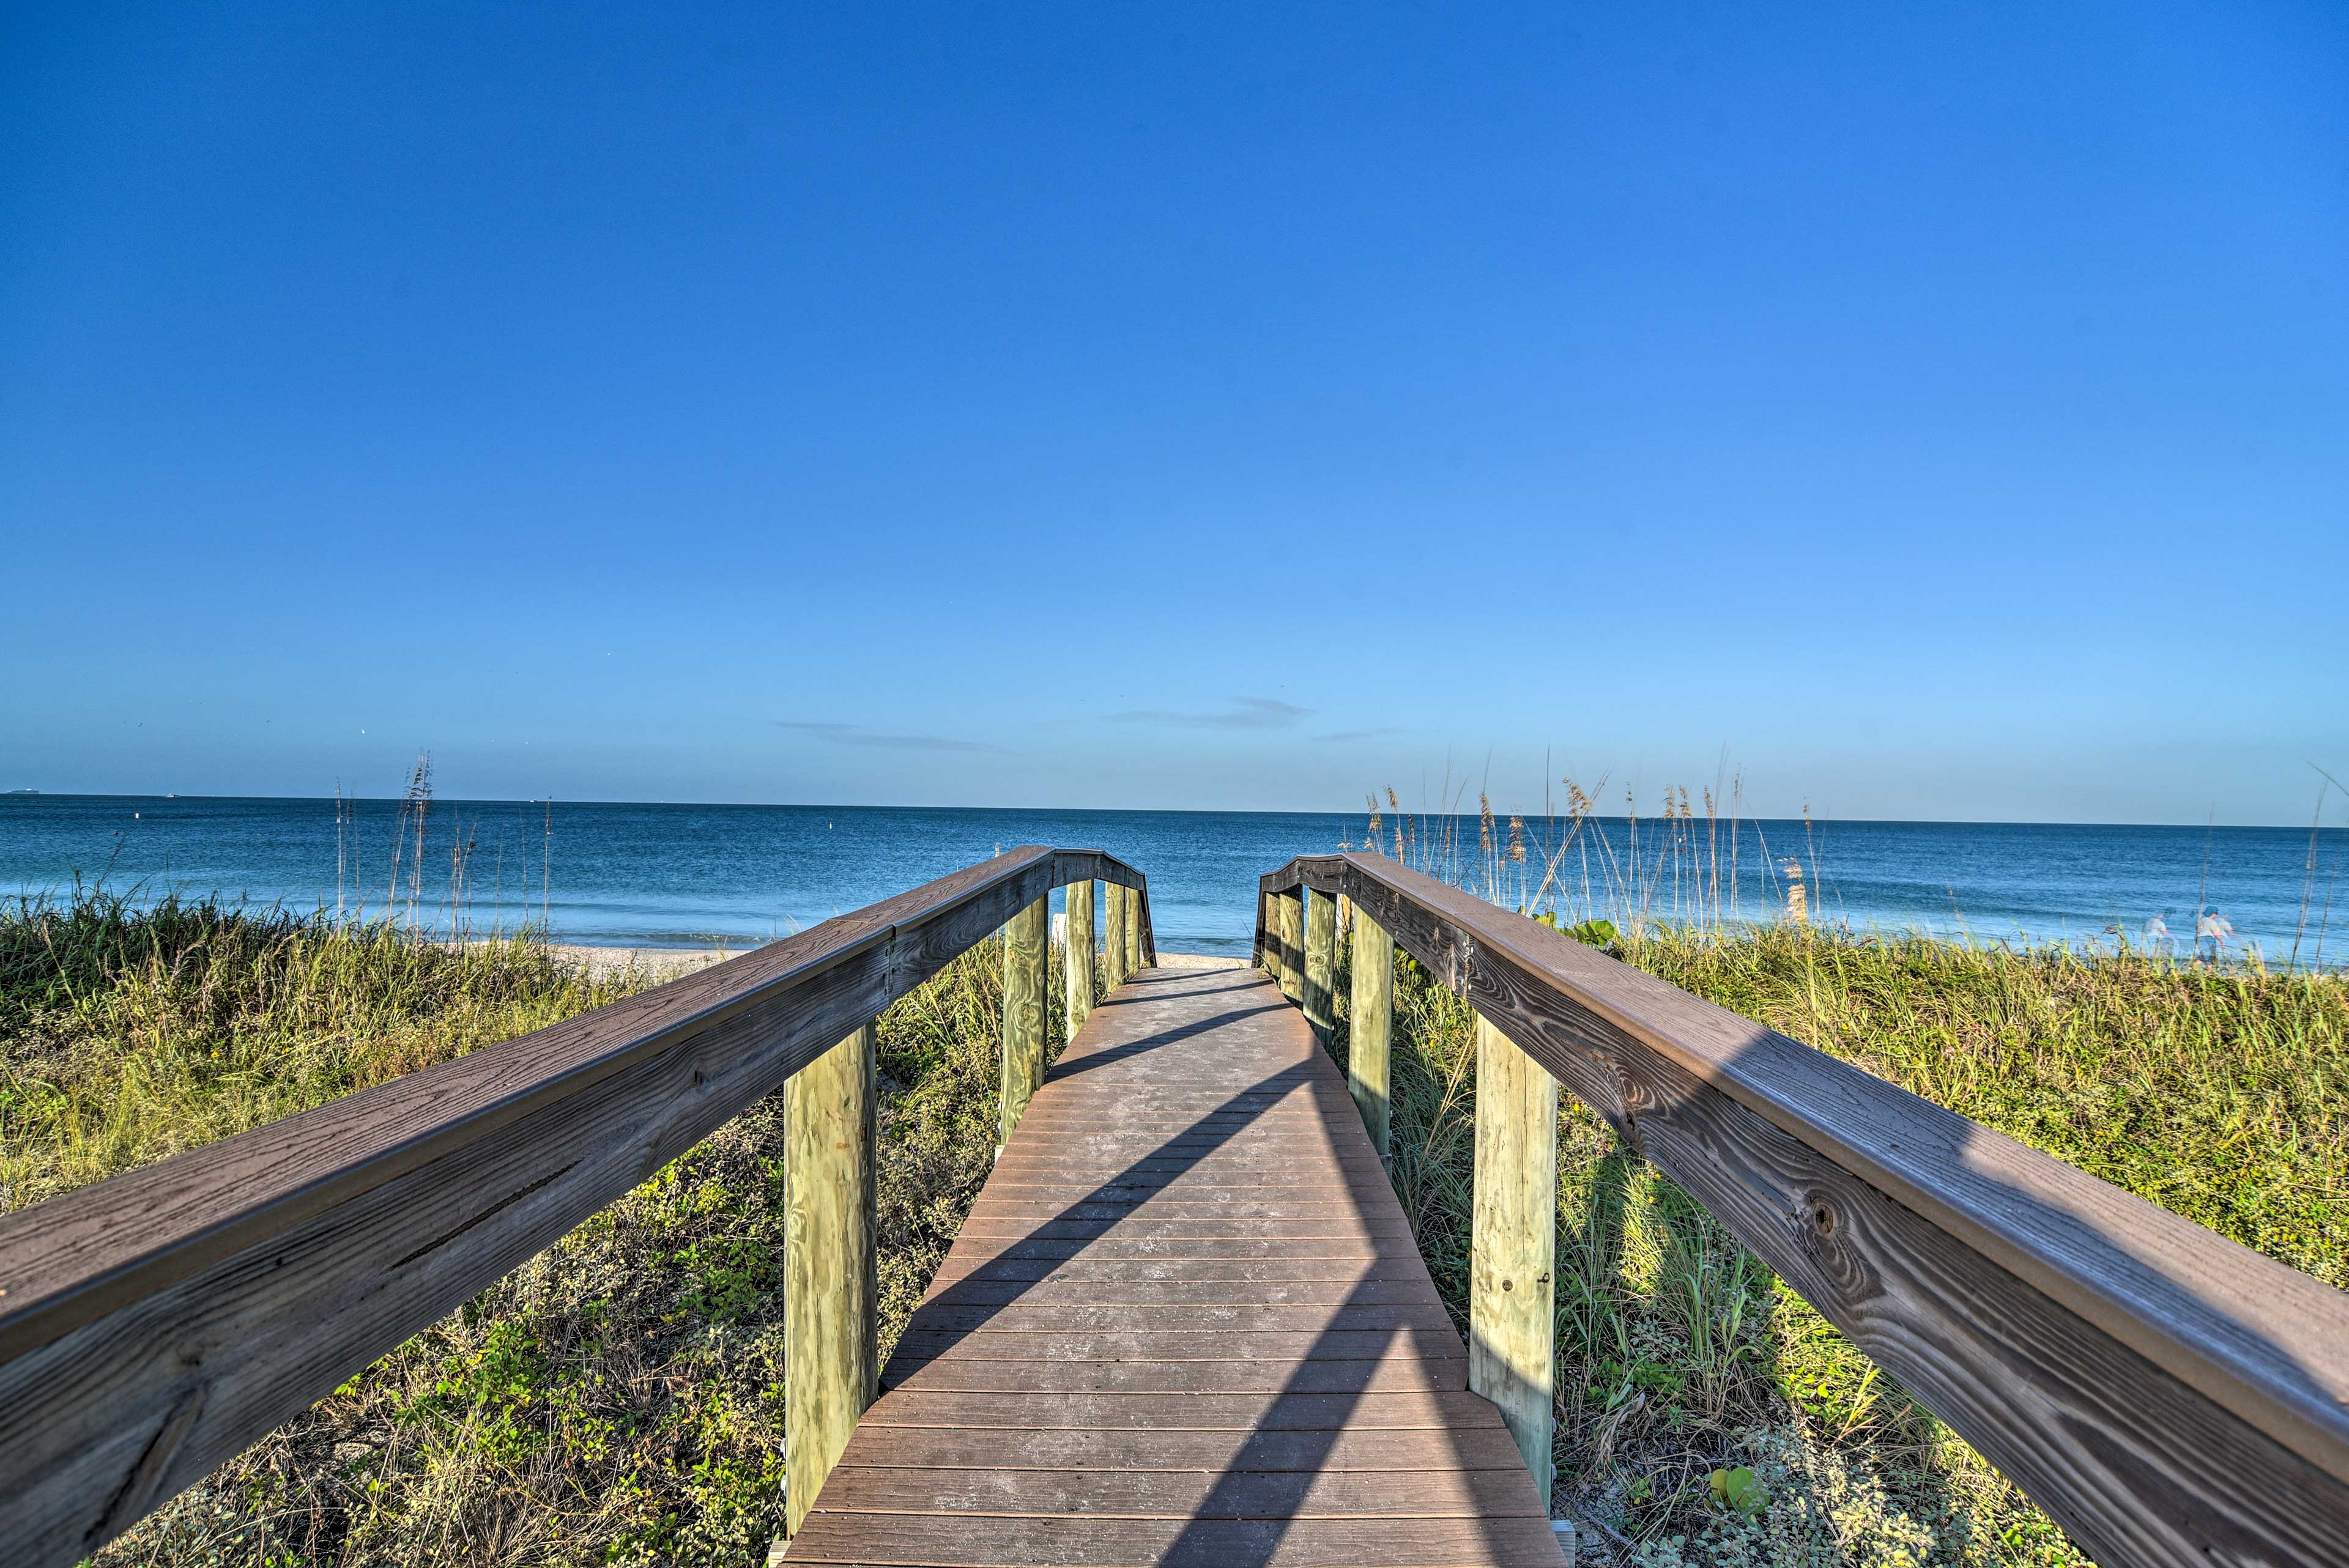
{"x":1814,"y":818}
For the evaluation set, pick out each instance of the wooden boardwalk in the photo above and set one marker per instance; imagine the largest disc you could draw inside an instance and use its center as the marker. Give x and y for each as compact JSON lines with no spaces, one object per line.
{"x":1185,"y":1322}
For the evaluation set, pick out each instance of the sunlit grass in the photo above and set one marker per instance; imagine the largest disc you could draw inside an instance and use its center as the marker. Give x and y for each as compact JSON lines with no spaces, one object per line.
{"x":128,"y":1034}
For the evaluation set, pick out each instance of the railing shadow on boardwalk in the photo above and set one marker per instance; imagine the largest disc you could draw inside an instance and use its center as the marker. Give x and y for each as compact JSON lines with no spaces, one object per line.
{"x":1268,"y":1500}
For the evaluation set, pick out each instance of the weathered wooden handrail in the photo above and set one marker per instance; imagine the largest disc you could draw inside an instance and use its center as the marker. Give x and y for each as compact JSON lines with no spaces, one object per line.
{"x":2169,"y":1396}
{"x":153,"y":1325}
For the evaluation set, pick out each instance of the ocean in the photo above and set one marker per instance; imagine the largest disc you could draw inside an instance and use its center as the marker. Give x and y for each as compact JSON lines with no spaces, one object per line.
{"x":672,"y":876}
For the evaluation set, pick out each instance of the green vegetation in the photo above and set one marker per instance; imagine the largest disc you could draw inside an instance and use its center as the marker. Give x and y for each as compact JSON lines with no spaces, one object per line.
{"x":619,"y":1399}
{"x":1708,"y":1413}
{"x":127,"y":1035}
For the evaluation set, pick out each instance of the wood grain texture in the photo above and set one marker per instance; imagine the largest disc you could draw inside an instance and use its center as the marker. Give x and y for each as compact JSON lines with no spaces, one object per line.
{"x":1185,"y":1321}
{"x":1352,"y":1451}
{"x":1370,"y":1023}
{"x":1289,"y":944}
{"x":1320,"y":962}
{"x":154,"y":1324}
{"x":1292,"y":936}
{"x":1134,"y":919}
{"x":1078,"y":949}
{"x":1094,"y":865}
{"x":1168,"y":1317}
{"x":2171,"y":1397}
{"x":1051,"y":1541}
{"x":1114,"y":966}
{"x":1312,"y":1416}
{"x":1316,"y":1376}
{"x":831,"y":1262}
{"x":1026,"y":954}
{"x":1513,"y":1246}
{"x":1437,"y":1488}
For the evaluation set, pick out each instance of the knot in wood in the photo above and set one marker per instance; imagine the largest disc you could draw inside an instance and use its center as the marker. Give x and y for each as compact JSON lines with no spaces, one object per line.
{"x":1828,"y":1238}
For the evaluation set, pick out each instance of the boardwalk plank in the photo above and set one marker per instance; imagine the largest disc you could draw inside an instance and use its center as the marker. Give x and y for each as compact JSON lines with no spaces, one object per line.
{"x":979,"y":1377}
{"x":1269,"y":1270}
{"x":1428,"y":1490}
{"x":1347,"y":1451}
{"x":1346,"y":1290}
{"x":1452,"y":1408}
{"x":1018,"y":1317}
{"x":1321,"y":1227}
{"x":1432,"y":1341}
{"x":1079,"y":1541}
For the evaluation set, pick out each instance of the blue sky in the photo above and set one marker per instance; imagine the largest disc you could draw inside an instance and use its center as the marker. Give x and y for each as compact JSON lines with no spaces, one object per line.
{"x":1936,"y":412}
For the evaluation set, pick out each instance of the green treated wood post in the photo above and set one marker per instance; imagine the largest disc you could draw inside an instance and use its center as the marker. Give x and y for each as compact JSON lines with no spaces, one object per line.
{"x":1292,"y":946}
{"x":1276,"y":939}
{"x":832,"y":1365}
{"x":1027,"y":954}
{"x":1129,"y":957}
{"x":1268,"y":952}
{"x":1513,"y":1247}
{"x":1278,"y":935}
{"x":1320,"y":961}
{"x":1079,"y":945}
{"x":1369,"y":1024}
{"x":1114,"y":938}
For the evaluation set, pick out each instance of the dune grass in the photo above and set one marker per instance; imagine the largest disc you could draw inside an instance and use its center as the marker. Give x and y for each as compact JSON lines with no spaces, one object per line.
{"x":2220,"y":1094}
{"x":131,"y":1033}
{"x":617,"y":1400}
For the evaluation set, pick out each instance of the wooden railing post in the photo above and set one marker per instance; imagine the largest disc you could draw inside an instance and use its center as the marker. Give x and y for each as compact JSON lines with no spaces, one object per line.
{"x":1133,"y":960}
{"x":831,"y":1288}
{"x":1114,"y":939}
{"x":1276,"y":939}
{"x":1368,"y":1024}
{"x":1292,"y":946}
{"x":1512,"y":1329}
{"x":1077,"y":939}
{"x":1320,"y":961}
{"x":1026,"y":943}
